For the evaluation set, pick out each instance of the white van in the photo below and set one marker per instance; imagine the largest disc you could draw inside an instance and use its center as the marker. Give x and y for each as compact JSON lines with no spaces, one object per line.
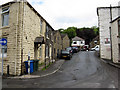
{"x":96,"y":48}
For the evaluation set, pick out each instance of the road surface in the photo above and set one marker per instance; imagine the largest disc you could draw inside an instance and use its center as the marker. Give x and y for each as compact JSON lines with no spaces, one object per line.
{"x":84,"y":70}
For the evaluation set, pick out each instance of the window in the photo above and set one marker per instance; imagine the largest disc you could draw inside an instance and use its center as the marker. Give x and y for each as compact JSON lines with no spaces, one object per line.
{"x":47,"y":29}
{"x":74,"y":42}
{"x":95,"y":42}
{"x":40,"y":51}
{"x":5,"y":16}
{"x":81,"y":42}
{"x":54,"y":51}
{"x":55,"y":39}
{"x":47,"y":51}
{"x":107,"y":40}
{"x":119,"y":28}
{"x":41,"y":23}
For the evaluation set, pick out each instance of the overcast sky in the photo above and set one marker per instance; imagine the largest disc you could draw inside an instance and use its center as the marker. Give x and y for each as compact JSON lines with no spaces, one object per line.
{"x":67,"y":13}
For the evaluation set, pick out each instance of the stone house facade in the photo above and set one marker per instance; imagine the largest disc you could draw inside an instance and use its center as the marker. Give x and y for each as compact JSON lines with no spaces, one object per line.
{"x":105,"y":14}
{"x":65,"y":41}
{"x":49,"y":45}
{"x":57,"y":44}
{"x":115,"y":30}
{"x":95,"y":42}
{"x":77,"y":41}
{"x":25,"y":30}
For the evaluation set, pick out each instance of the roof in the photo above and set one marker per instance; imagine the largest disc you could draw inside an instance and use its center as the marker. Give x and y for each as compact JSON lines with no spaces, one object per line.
{"x":63,"y":35}
{"x":115,"y":19}
{"x":96,"y":38}
{"x":106,"y":8}
{"x":54,"y":32}
{"x":25,"y":1}
{"x":39,"y":40}
{"x":76,"y":38}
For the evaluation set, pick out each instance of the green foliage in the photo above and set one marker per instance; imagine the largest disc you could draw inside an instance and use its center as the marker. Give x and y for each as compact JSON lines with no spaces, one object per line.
{"x":70,"y":31}
{"x":86,"y":33}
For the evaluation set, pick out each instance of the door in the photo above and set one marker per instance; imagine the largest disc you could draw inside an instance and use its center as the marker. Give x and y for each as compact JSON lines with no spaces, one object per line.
{"x":35,"y":51}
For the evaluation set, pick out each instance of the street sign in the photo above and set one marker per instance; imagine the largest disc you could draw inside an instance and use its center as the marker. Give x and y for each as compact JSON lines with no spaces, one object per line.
{"x":3,"y":41}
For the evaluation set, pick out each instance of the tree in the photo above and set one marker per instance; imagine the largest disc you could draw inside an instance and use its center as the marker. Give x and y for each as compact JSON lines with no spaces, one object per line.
{"x":70,"y":31}
{"x":86,"y":33}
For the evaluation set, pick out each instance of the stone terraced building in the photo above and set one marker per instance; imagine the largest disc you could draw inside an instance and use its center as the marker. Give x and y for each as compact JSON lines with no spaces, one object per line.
{"x":27,"y":33}
{"x":105,"y":14}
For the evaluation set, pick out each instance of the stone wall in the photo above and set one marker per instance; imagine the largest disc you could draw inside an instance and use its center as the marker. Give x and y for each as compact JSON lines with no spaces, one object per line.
{"x":23,"y":28}
{"x":57,"y":44}
{"x":66,"y":42}
{"x":115,"y":44}
{"x":104,"y":32}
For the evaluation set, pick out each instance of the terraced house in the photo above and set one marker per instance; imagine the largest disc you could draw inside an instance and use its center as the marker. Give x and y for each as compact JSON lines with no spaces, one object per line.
{"x":27,"y":32}
{"x":65,"y":41}
{"x":57,"y":44}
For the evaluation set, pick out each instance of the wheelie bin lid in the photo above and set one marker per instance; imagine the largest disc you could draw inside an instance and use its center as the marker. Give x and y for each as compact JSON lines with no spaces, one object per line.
{"x":27,"y":61}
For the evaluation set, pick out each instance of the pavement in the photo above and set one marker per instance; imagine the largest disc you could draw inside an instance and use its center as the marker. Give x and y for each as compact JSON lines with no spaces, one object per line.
{"x":53,"y":68}
{"x":110,"y":62}
{"x":117,"y":65}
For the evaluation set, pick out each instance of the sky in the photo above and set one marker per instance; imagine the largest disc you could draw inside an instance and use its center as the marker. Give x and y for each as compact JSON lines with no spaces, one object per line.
{"x":68,"y":13}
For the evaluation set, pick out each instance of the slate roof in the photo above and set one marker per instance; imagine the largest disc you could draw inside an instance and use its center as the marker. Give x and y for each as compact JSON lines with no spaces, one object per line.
{"x":76,"y":38}
{"x":63,"y":35}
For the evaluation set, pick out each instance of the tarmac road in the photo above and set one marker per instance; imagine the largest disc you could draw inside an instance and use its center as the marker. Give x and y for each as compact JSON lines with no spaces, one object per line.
{"x":84,"y":70}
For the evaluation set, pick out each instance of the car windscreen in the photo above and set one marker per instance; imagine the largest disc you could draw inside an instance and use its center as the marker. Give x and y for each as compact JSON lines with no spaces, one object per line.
{"x":75,"y":47}
{"x":65,"y":52}
{"x":68,"y":48}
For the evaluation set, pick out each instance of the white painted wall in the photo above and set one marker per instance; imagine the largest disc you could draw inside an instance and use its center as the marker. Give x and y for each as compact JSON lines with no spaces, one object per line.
{"x":78,"y":43}
{"x":104,"y":32}
{"x":115,"y":41}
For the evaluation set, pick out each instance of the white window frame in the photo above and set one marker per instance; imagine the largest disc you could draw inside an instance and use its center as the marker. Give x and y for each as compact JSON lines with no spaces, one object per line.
{"x":40,"y":51}
{"x":47,"y":29}
{"x":2,"y":15}
{"x":105,"y":41}
{"x":47,"y":52}
{"x":41,"y":26}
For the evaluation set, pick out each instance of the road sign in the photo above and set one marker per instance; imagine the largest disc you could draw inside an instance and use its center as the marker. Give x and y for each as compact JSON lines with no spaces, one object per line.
{"x":3,"y":41}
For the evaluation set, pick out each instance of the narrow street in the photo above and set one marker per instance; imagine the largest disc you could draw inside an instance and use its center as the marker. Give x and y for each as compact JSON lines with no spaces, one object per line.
{"x":84,"y":70}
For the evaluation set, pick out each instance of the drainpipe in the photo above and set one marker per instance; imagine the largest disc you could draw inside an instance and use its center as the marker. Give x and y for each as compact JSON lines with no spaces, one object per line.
{"x":22,"y":34}
{"x":16,"y":42}
{"x":110,"y":31}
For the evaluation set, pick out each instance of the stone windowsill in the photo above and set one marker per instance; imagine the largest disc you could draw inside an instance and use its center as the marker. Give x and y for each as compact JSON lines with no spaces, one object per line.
{"x":4,"y":27}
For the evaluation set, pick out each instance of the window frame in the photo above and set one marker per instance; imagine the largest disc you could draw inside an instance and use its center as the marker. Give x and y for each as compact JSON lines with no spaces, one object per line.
{"x":107,"y":42}
{"x":47,"y":30}
{"x":47,"y":52}
{"x":5,"y":12}
{"x":41,"y":25}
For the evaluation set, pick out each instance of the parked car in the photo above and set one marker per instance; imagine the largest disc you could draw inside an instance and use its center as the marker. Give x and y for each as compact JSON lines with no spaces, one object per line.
{"x":85,"y":48}
{"x":75,"y":49}
{"x":66,"y":54}
{"x":70,"y":49}
{"x":96,"y":48}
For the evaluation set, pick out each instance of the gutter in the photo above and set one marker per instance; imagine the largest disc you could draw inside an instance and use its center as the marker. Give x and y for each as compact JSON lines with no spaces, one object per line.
{"x":22,"y":34}
{"x":110,"y":31}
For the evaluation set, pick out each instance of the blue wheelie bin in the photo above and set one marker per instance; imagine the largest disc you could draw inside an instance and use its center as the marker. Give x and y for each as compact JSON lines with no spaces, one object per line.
{"x":31,"y":66}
